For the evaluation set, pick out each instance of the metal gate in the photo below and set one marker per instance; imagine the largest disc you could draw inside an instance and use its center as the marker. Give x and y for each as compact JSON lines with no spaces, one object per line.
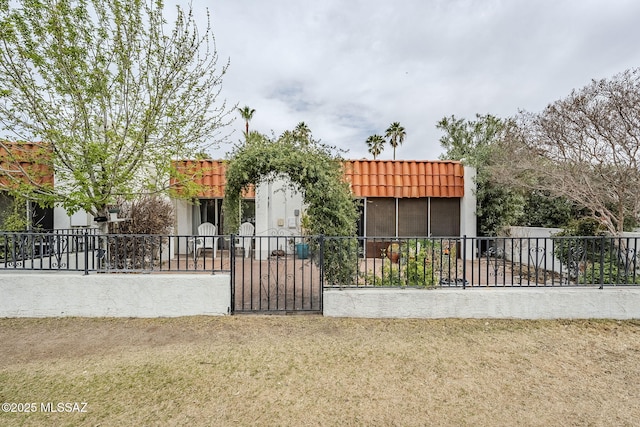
{"x":275,"y":274}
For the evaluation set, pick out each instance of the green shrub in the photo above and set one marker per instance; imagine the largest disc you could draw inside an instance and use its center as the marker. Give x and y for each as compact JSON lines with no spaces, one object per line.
{"x":423,"y":264}
{"x":612,"y":270}
{"x":340,"y":260}
{"x":590,"y":257}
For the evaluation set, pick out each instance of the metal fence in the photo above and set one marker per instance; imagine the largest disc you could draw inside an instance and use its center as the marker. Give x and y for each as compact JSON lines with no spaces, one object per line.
{"x":87,"y":251}
{"x":302,"y":264}
{"x":282,"y":274}
{"x":493,"y":262}
{"x":50,"y":250}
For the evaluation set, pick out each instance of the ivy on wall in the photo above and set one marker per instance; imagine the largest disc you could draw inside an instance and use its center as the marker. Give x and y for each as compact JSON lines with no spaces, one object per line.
{"x":317,"y":172}
{"x":312,"y":166}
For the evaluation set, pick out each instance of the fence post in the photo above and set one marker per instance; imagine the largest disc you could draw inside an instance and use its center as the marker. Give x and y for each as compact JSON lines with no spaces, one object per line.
{"x":602,"y":263}
{"x":232,"y":268}
{"x":86,"y":252}
{"x":464,"y":262}
{"x":321,"y":260}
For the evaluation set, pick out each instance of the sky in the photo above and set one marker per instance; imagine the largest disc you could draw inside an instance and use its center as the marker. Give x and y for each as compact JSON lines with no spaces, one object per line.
{"x":349,"y":68}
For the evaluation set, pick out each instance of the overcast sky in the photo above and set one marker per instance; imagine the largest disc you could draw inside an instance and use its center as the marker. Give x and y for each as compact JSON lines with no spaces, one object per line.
{"x":348,"y":68}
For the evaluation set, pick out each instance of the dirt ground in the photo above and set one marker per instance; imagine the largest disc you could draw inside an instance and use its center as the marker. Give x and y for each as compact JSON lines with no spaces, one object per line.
{"x":310,"y":370}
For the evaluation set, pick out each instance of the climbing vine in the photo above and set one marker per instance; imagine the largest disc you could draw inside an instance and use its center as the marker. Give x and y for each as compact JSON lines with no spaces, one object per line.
{"x":316,"y":171}
{"x":310,"y":165}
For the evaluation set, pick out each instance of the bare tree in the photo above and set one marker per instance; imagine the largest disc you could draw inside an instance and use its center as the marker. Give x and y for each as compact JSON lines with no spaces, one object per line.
{"x":585,"y":148}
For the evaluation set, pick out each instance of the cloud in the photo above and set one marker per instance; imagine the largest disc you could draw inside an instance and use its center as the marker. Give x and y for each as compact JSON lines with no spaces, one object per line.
{"x":349,"y":69}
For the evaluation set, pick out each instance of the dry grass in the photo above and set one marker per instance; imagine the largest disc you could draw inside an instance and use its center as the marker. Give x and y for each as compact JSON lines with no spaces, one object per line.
{"x":309,"y":370}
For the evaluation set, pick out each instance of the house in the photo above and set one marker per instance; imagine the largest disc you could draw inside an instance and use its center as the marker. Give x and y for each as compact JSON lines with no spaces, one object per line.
{"x":19,"y":162}
{"x":400,"y":198}
{"x":408,"y":198}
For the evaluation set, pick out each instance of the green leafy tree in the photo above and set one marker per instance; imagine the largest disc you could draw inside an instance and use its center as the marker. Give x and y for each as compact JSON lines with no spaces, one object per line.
{"x":111,"y":91}
{"x":302,"y":132}
{"x":396,"y":134}
{"x":376,"y":145}
{"x":541,"y":209}
{"x":474,"y":143}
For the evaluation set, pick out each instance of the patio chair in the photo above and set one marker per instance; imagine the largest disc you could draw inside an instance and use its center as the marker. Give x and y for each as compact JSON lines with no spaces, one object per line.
{"x":206,"y":239}
{"x":245,"y":238}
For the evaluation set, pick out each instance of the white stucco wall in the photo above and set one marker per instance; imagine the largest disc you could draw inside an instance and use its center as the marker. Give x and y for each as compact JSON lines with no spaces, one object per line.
{"x":276,"y":206}
{"x":517,"y":303}
{"x":524,"y":250}
{"x":468,"y":223}
{"x":113,"y":295}
{"x":183,"y":225}
{"x":182,"y":211}
{"x":171,"y":295}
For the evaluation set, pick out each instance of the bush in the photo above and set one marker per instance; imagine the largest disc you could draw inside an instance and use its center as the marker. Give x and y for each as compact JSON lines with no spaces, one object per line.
{"x":340,"y":260}
{"x":424,"y":263}
{"x":590,"y":257}
{"x":13,"y":213}
{"x":144,"y":215}
{"x":612,"y":273}
{"x":136,"y":243}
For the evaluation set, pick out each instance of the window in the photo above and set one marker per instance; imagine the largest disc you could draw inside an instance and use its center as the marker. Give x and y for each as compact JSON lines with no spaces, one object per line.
{"x":416,"y":217}
{"x":381,"y":217}
{"x":445,"y":217}
{"x":413,"y":217}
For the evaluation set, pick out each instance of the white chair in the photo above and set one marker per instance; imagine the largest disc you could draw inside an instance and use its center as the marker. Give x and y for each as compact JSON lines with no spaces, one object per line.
{"x":206,"y":239}
{"x":245,"y":238}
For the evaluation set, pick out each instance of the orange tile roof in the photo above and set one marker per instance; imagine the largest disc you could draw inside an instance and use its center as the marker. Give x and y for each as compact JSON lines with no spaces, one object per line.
{"x":20,"y":158}
{"x":368,"y":178}
{"x":405,"y":178}
{"x":210,"y":174}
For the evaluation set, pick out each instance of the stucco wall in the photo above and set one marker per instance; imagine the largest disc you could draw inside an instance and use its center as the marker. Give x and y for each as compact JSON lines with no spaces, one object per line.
{"x":113,"y":295}
{"x":277,"y":203}
{"x":549,"y":232}
{"x":171,"y":295}
{"x":518,"y":303}
{"x":468,"y":222}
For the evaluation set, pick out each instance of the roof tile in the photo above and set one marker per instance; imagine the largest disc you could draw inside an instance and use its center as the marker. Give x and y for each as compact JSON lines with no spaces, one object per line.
{"x":20,"y":160}
{"x":368,"y":178}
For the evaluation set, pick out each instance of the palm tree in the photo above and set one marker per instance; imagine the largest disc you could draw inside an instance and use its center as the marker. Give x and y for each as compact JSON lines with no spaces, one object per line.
{"x":396,"y":135}
{"x":376,"y":145}
{"x":302,"y":131}
{"x":247,"y":114}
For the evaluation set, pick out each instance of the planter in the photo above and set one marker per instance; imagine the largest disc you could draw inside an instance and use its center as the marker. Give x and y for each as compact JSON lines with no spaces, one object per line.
{"x":113,"y":214}
{"x":302,"y":250}
{"x":376,"y":249}
{"x":393,"y":252}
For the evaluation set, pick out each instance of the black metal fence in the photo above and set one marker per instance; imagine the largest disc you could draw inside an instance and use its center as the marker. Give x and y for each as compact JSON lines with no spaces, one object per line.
{"x":281,"y":274}
{"x":299,"y":265}
{"x":491,"y":262}
{"x":50,"y":250}
{"x":87,"y":251}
